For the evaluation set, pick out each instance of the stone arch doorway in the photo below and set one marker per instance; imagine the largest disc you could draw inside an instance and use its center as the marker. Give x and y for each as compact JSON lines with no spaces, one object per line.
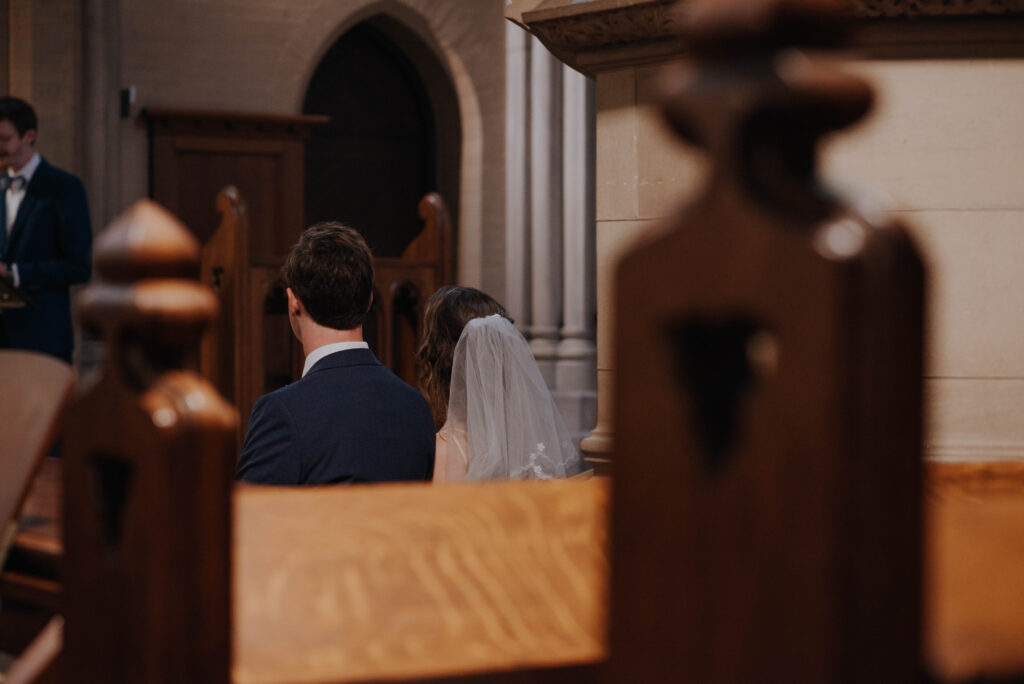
{"x":394,"y":135}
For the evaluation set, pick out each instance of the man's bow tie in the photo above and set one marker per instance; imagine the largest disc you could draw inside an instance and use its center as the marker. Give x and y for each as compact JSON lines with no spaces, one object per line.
{"x":16,"y":182}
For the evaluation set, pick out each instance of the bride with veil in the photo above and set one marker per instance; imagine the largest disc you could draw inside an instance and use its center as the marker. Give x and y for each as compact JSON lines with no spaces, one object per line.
{"x":495,"y":417}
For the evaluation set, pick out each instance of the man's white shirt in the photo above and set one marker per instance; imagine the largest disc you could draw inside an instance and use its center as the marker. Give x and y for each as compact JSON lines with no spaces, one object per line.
{"x":327,"y":350}
{"x":13,"y":200}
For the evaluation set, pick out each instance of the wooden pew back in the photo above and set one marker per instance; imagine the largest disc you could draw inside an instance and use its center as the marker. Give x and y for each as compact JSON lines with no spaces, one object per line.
{"x":403,"y":284}
{"x":148,"y":470}
{"x":767,"y":517}
{"x":332,"y":584}
{"x":33,"y":393}
{"x":230,"y":357}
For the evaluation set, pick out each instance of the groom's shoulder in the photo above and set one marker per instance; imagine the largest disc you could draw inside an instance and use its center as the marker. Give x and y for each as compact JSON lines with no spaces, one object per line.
{"x":363,"y":373}
{"x":400,"y":388}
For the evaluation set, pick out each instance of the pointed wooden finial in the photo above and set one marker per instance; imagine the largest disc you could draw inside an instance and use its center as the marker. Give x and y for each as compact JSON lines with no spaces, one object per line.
{"x":146,"y":242}
{"x":149,"y":457}
{"x":758,"y":104}
{"x":148,"y":262}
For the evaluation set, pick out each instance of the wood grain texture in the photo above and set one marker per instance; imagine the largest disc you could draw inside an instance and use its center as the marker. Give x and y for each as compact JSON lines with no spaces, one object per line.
{"x":978,"y":482}
{"x":33,"y":393}
{"x":974,"y":591}
{"x":974,"y":610}
{"x":411,"y":580}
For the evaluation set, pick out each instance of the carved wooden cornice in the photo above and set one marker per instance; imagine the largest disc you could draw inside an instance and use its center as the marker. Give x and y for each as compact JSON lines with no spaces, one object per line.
{"x":243,"y":124}
{"x":595,"y":24}
{"x":581,"y":26}
{"x":935,"y":8}
{"x":569,"y":29}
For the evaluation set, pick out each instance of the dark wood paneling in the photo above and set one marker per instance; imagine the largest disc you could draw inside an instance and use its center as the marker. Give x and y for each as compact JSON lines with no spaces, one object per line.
{"x":196,"y":155}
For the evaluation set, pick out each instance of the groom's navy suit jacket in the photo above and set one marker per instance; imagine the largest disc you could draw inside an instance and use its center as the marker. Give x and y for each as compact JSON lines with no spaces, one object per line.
{"x":349,"y":419}
{"x":51,"y":242}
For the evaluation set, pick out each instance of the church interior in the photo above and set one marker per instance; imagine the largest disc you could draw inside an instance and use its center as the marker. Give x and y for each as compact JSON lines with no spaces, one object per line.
{"x":765,"y":254}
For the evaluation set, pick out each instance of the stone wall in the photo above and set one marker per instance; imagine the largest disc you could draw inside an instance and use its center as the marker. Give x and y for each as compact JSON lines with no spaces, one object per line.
{"x":43,"y":42}
{"x":944,"y":148}
{"x":71,"y":58}
{"x":259,"y":56}
{"x":946,"y":143}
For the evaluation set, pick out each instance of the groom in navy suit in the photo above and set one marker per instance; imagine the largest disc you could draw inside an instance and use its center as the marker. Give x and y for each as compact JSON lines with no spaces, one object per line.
{"x":46,"y":239}
{"x":348,"y":419}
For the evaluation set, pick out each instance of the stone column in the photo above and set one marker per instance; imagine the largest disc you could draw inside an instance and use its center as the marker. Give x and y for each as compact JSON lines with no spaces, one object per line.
{"x":5,"y":55}
{"x":545,"y":207}
{"x":101,"y":109}
{"x":517,"y":189}
{"x":550,"y":221}
{"x":575,"y":372}
{"x":100,"y":131}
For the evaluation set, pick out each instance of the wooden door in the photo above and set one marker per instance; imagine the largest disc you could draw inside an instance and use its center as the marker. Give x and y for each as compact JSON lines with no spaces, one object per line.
{"x":195,"y":155}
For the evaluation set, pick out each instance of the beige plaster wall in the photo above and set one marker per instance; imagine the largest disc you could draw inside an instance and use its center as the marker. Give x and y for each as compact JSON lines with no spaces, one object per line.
{"x":944,"y":148}
{"x":946,"y":143}
{"x":642,"y":172}
{"x":258,"y":56}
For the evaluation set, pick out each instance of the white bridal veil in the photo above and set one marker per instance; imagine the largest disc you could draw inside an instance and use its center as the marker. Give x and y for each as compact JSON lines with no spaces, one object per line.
{"x":502,"y":421}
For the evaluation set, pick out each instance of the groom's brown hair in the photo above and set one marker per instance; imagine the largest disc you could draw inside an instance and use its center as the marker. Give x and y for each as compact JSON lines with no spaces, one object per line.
{"x":330,"y":270}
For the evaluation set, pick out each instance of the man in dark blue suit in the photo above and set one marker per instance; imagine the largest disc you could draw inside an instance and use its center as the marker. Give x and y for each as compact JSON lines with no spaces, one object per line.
{"x":47,"y":239}
{"x":348,"y":419}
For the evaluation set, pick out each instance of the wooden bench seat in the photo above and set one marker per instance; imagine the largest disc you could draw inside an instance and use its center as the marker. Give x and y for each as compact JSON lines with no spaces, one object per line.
{"x":974,"y":562}
{"x":396,"y":581}
{"x":331,"y":613}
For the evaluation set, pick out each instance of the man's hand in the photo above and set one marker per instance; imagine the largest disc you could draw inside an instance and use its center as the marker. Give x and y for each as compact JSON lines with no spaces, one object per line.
{"x":3,"y":268}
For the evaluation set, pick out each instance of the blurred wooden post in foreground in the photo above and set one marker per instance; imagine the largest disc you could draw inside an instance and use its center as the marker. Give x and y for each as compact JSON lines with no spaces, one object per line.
{"x":148,"y":469}
{"x":767,"y":506}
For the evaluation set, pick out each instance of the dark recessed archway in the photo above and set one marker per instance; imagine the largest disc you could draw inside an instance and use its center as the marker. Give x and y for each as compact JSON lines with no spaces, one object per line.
{"x":394,"y":134}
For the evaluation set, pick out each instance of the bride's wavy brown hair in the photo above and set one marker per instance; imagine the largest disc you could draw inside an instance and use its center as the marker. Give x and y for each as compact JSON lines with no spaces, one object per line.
{"x":446,"y":314}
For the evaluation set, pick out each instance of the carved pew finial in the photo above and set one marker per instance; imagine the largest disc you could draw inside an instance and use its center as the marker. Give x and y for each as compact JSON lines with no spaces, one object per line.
{"x":755,"y":102}
{"x":228,"y":351}
{"x":766,"y":485}
{"x":149,"y":459}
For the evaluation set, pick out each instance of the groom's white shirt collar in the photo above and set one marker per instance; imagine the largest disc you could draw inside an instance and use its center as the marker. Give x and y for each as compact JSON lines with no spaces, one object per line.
{"x":327,"y":350}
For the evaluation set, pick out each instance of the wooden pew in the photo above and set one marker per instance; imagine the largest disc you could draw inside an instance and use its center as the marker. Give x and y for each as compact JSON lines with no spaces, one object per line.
{"x":769,"y":338}
{"x":229,"y":356}
{"x":412,"y":582}
{"x":507,"y":581}
{"x":974,"y":551}
{"x":34,"y":389}
{"x":251,"y":349}
{"x":401,"y":287}
{"x":148,"y":468}
{"x":973,"y":555}
{"x":407,"y":581}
